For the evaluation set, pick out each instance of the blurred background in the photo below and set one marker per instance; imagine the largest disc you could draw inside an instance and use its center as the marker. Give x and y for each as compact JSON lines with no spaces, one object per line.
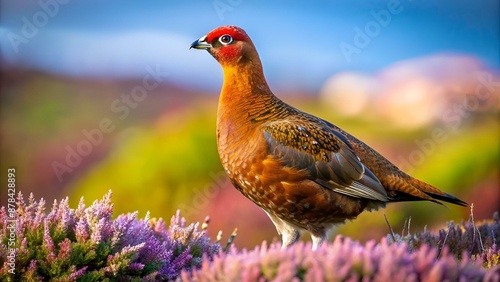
{"x":99,"y":96}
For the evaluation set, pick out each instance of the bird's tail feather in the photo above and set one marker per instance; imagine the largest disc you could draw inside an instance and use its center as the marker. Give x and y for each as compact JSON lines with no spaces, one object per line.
{"x":426,"y":192}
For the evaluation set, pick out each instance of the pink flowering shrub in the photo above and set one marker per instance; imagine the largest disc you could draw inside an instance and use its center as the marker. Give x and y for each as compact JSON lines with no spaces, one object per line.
{"x":86,"y":244}
{"x":342,"y":260}
{"x":475,"y":240}
{"x":465,"y":252}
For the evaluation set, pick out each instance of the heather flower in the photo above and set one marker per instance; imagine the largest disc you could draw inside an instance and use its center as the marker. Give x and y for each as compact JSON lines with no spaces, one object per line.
{"x":342,"y":260}
{"x":476,"y":240}
{"x":86,"y":243}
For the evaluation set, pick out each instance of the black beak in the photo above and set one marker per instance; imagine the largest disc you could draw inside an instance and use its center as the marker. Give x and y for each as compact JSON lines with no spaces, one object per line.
{"x":201,"y":44}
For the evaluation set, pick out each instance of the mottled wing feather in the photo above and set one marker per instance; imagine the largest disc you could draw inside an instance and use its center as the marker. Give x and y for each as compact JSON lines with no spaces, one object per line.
{"x":326,"y":155}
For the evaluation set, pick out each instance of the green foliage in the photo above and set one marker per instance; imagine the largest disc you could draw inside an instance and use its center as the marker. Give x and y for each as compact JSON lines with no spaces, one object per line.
{"x":458,"y":164}
{"x":171,"y":158}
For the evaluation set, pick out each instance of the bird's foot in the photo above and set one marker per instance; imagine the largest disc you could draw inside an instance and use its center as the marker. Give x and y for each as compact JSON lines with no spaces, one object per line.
{"x":289,"y":237}
{"x":317,"y":241}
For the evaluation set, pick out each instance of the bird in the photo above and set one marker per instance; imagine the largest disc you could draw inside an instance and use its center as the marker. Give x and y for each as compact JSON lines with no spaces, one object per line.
{"x":307,"y":174}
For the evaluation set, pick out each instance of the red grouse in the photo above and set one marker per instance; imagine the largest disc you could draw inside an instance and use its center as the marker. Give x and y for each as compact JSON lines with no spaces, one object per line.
{"x":304,"y":172}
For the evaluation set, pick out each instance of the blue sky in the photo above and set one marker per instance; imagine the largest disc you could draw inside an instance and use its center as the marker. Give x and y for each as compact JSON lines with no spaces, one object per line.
{"x":300,"y":42}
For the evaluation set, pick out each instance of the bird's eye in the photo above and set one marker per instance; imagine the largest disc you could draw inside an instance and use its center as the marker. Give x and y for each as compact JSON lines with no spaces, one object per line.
{"x":225,"y":39}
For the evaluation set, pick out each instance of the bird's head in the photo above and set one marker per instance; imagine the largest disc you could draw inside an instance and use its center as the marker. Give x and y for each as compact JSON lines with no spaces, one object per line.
{"x":229,"y":45}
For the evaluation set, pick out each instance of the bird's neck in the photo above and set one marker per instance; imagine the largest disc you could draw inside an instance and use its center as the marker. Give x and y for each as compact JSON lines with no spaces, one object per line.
{"x":245,"y":89}
{"x":245,"y":103}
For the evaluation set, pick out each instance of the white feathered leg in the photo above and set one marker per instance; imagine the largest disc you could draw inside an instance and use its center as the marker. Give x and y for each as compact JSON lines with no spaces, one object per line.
{"x":319,"y":236}
{"x":289,"y":234}
{"x":317,"y":240}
